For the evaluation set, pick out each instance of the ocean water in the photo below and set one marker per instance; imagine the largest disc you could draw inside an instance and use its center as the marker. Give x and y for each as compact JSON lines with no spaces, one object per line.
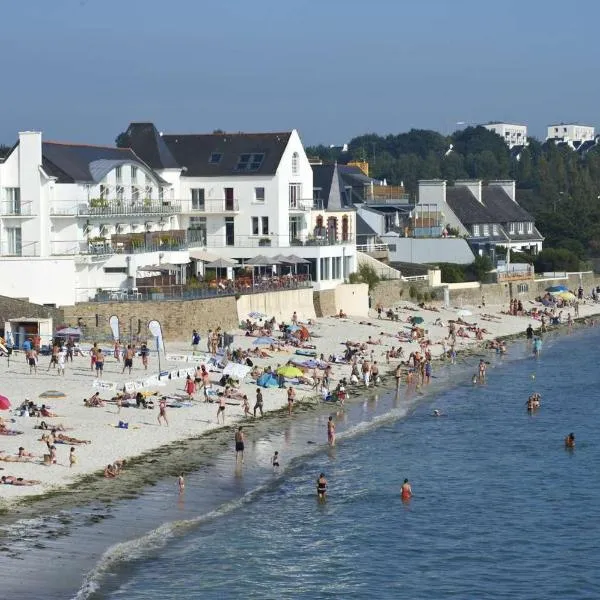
{"x":500,"y":508}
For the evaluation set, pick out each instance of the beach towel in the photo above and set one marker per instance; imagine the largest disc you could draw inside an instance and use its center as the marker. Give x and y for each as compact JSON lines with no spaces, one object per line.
{"x":302,"y":352}
{"x":9,"y":432}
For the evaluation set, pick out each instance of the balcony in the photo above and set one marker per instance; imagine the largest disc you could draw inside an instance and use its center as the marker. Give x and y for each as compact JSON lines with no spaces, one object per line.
{"x":301,"y":205}
{"x":16,"y":209}
{"x":100,"y":207}
{"x":210,"y":206}
{"x":18,"y":248}
{"x":385,"y":194}
{"x":272,"y":241}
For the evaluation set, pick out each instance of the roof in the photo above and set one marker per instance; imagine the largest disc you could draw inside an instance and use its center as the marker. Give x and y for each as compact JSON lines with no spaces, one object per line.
{"x":466,"y":207}
{"x":71,"y":163}
{"x":209,"y":155}
{"x":363,"y":228}
{"x":501,"y":206}
{"x":148,"y":143}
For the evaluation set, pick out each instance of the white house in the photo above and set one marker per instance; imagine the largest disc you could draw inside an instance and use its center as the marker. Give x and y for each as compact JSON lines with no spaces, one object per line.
{"x":511,"y":133}
{"x":78,"y":218}
{"x":570,"y":132}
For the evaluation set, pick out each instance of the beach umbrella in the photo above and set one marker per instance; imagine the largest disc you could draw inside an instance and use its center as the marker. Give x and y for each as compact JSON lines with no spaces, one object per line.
{"x":417,"y":320}
{"x":293,"y":328}
{"x":264,"y":341}
{"x":4,"y":403}
{"x":566,"y":296}
{"x":463,"y":312}
{"x":289,"y":371}
{"x":557,"y":288}
{"x":52,"y":394}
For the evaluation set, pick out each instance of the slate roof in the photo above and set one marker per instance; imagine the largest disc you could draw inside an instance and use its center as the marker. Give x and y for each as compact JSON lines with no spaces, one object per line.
{"x":363,"y":229}
{"x":322,"y":177}
{"x":501,"y":207}
{"x":466,"y":207}
{"x":71,"y":163}
{"x":152,"y":148}
{"x":194,"y":152}
{"x":330,"y":179}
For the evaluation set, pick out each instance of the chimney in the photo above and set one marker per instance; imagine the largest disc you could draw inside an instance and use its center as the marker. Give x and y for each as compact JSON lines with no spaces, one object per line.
{"x":432,"y":191}
{"x":473,"y":185}
{"x":508,"y":185}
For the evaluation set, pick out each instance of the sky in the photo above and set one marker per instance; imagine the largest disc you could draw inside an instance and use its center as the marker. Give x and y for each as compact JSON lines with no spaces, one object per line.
{"x":81,"y":70}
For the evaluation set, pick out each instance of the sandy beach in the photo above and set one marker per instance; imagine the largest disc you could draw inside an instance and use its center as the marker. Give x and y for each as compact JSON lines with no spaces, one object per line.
{"x":108,"y":442}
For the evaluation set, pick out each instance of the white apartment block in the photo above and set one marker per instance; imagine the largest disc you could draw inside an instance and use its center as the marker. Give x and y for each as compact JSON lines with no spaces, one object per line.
{"x":78,"y":218}
{"x":512,"y":134}
{"x":571,"y":132}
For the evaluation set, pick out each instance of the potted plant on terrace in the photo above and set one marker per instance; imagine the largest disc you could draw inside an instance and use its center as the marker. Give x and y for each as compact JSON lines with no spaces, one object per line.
{"x":265,"y":241}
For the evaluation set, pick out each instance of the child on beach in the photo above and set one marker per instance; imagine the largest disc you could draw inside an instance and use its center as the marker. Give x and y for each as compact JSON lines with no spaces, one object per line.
{"x":62,"y":358}
{"x":72,"y":457}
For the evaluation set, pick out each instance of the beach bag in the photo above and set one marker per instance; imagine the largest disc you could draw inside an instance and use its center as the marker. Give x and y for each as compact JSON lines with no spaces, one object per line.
{"x":123,"y":425}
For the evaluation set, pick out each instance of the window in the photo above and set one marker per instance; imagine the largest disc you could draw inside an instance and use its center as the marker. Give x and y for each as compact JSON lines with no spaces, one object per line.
{"x":259,"y":194}
{"x":522,"y":288}
{"x":295,"y":194}
{"x":197,"y":230}
{"x":14,"y":241}
{"x":529,"y":227}
{"x":254,"y":225}
{"x":486,"y":230}
{"x":521,"y":227}
{"x":103,"y":192}
{"x":511,"y":228}
{"x":197,"y":198}
{"x":475,"y":230}
{"x":115,"y":269}
{"x":133,"y":173}
{"x":265,"y":225}
{"x":215,"y":158}
{"x":295,"y":163}
{"x":161,"y":193}
{"x":249,"y":162}
{"x":118,"y":174}
{"x":495,"y":230}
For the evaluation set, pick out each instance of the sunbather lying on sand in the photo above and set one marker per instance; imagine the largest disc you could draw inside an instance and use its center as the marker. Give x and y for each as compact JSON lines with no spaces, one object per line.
{"x":94,"y":400}
{"x":11,"y":480}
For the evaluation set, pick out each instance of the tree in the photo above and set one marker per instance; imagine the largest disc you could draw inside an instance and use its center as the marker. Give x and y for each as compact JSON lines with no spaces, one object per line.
{"x":556,"y":259}
{"x":4,"y":151}
{"x":365,"y":274}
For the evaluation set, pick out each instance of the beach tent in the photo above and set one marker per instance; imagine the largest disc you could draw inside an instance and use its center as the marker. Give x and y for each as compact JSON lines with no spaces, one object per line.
{"x":267,"y":380}
{"x":289,"y":371}
{"x":557,"y":288}
{"x":68,"y":332}
{"x":236,"y":370}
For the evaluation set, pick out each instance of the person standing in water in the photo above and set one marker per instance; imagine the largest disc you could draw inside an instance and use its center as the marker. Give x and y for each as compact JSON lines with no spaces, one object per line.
{"x":570,"y":441}
{"x":406,"y":490}
{"x":239,"y":445}
{"x":331,"y":432}
{"x":482,"y":370}
{"x":275,"y":460}
{"x":321,"y":487}
{"x":181,"y":483}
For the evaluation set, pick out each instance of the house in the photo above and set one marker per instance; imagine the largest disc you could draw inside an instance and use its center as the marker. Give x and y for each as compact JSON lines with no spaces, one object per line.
{"x":244,"y":194}
{"x":511,"y":133}
{"x":490,"y":216}
{"x":570,"y":132}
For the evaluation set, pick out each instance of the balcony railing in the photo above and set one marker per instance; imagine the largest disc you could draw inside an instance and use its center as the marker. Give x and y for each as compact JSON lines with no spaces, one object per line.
{"x":302,"y":204}
{"x":273,"y":241}
{"x":385,"y":194}
{"x":16,"y":209}
{"x":99,"y":207}
{"x":210,"y":206}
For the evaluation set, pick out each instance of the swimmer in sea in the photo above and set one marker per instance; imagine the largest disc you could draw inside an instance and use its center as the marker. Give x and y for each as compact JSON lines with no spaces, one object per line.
{"x":437,"y":413}
{"x":570,"y":441}
{"x":181,"y":483}
{"x":275,"y":460}
{"x":321,"y":487}
{"x":406,"y":490}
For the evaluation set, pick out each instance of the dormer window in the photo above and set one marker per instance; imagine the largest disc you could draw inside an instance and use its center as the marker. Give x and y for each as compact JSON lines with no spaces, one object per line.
{"x":486,"y":230}
{"x":521,"y":227}
{"x":529,"y":227}
{"x":475,"y":230}
{"x":249,"y":162}
{"x":511,"y":228}
{"x":295,"y":163}
{"x":215,"y":158}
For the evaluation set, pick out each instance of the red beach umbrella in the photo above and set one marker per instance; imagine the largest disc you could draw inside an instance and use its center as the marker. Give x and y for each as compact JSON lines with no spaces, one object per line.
{"x":4,"y":403}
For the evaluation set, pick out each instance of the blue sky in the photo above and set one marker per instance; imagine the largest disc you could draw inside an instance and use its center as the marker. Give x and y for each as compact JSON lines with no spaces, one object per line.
{"x":81,"y":70}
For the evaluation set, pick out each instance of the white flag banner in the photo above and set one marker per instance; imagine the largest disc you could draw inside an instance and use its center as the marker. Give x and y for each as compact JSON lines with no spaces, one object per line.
{"x":104,"y":385}
{"x":114,"y":327}
{"x":178,"y":358}
{"x":156,"y":330}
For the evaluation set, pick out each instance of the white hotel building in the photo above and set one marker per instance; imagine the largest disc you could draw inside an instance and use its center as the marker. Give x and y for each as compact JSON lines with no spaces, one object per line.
{"x":77,"y":218}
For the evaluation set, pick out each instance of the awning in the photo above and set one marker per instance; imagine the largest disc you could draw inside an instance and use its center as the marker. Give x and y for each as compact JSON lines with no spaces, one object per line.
{"x":221,"y":263}
{"x":203,"y":255}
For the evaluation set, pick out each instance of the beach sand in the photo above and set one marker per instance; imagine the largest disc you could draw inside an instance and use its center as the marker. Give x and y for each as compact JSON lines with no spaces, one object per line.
{"x":144,"y":434}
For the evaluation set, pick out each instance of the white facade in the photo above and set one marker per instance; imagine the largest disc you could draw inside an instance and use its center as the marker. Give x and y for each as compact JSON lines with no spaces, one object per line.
{"x":512,"y":134}
{"x":61,"y":242}
{"x":571,"y":132}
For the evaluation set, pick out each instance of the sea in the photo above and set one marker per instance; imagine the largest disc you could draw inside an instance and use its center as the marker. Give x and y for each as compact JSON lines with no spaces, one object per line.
{"x":500,"y":508}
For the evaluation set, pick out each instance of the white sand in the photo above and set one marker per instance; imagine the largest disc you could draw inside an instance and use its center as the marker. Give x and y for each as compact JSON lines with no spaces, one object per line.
{"x":109,"y":443}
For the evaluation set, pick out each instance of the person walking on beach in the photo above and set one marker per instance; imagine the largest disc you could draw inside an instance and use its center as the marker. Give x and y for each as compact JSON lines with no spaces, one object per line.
{"x":99,"y":363}
{"x":116,"y":351}
{"x":321,"y":487}
{"x":93,"y":356}
{"x":291,"y":396}
{"x":62,"y":358}
{"x":406,"y":490}
{"x":195,"y":340}
{"x":259,"y":402}
{"x":144,"y":353}
{"x":128,"y":359}
{"x":54,"y":357}
{"x":162,"y":411}
{"x":221,"y":409}
{"x":32,"y":360}
{"x":69,"y":345}
{"x":375,"y":373}
{"x":239,"y":445}
{"x":331,"y":432}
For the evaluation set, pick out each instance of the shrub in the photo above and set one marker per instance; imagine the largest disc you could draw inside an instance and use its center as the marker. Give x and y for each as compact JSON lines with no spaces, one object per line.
{"x":365,"y":274}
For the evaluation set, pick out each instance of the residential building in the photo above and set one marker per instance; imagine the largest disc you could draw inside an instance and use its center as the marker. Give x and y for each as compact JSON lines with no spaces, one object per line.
{"x":571,"y":132}
{"x":244,"y":194}
{"x":511,"y":133}
{"x":75,"y":219}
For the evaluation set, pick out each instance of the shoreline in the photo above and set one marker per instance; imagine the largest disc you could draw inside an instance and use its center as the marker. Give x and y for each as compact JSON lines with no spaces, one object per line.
{"x":162,"y":458}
